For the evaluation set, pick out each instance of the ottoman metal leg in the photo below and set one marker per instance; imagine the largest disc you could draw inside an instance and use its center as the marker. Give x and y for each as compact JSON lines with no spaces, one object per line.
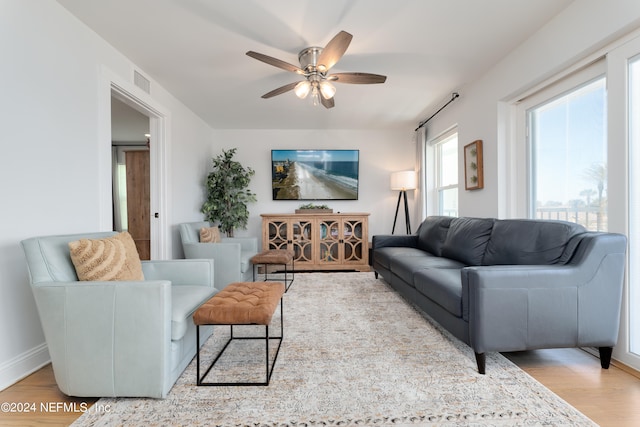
{"x":269,"y":367}
{"x":287,"y":281}
{"x":275,"y":257}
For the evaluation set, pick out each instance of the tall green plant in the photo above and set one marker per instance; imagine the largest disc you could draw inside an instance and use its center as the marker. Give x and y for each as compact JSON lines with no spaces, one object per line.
{"x":228,"y":193}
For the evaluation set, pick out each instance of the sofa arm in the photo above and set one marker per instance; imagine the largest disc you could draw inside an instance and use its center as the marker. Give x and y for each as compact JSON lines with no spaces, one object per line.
{"x":194,"y":272}
{"x":512,"y":308}
{"x":390,"y":240}
{"x":108,"y":338}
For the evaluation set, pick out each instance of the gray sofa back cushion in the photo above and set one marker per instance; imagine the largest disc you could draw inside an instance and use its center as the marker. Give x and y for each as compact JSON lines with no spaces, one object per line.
{"x":531,"y":242}
{"x":432,"y":233}
{"x":467,"y":239}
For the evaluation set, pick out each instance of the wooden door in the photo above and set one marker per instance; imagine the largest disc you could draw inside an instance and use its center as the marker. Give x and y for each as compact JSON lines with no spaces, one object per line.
{"x":138,"y":200}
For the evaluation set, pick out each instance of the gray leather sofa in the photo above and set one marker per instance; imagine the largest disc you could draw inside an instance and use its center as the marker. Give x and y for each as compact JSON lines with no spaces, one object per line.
{"x":126,"y":338}
{"x":510,"y":285}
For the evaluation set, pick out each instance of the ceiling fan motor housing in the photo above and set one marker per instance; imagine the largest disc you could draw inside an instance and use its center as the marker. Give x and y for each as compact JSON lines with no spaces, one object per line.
{"x":308,"y":59}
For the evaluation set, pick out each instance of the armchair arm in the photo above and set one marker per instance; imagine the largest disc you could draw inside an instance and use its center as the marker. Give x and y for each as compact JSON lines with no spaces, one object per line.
{"x":526,"y":307}
{"x":108,"y":338}
{"x":226,"y":258}
{"x":247,"y":244}
{"x":198,"y":272}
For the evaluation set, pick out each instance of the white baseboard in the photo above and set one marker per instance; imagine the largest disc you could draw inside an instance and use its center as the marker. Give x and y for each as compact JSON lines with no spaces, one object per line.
{"x":23,"y":365}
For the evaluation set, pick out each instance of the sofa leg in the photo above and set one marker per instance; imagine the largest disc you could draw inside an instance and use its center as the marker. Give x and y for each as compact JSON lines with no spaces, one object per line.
{"x":481,"y":361}
{"x":605,"y":356}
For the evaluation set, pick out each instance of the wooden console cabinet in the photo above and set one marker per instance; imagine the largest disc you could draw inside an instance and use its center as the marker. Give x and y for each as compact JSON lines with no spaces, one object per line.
{"x":320,"y":241}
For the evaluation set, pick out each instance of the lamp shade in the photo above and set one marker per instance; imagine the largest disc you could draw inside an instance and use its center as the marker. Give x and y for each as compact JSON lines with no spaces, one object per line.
{"x":405,"y":180}
{"x":302,"y":89}
{"x":327,"y":89}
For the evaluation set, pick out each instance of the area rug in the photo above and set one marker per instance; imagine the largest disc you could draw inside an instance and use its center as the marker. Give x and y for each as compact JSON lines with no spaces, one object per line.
{"x":354,"y":353}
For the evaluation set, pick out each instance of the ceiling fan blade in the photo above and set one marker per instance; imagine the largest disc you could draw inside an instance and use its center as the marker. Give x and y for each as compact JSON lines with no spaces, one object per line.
{"x":328,"y":103}
{"x":334,"y":50}
{"x":357,"y":78}
{"x":275,"y":62}
{"x":280,"y":90}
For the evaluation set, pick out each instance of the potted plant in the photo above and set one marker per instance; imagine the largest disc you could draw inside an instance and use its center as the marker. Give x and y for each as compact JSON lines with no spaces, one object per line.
{"x":313,"y":208}
{"x":228,"y":193}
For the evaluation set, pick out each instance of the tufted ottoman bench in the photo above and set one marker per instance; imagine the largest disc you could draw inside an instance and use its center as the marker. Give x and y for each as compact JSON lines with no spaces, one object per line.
{"x":241,"y":303}
{"x":269,"y":257}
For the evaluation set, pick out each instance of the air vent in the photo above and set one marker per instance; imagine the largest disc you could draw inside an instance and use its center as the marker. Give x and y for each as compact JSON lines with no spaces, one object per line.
{"x":141,"y":81}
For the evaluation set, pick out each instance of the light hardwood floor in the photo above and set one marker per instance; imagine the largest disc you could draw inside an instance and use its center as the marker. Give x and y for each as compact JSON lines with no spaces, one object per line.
{"x":37,"y":399}
{"x":609,"y":397}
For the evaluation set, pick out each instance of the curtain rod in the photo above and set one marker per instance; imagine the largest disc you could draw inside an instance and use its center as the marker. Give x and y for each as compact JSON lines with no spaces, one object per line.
{"x":454,"y":95}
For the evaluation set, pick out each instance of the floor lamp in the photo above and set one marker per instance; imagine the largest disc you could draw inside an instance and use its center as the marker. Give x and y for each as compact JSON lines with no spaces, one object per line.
{"x":403,"y":181}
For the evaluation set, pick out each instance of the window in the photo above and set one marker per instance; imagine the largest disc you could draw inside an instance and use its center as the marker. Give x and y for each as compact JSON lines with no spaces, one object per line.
{"x":568,"y":156}
{"x":595,"y":151}
{"x":623,"y":197}
{"x":634,"y":199}
{"x":445,"y":168}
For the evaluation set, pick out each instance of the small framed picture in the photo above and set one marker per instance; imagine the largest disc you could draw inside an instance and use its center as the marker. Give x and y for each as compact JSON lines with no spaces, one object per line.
{"x":473,"y":176}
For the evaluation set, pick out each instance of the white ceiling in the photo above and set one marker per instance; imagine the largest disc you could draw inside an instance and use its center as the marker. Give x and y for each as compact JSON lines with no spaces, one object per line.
{"x":427,"y":49}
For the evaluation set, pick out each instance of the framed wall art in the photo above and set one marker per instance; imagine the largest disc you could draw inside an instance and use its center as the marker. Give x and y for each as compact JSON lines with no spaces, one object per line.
{"x":473,"y":175}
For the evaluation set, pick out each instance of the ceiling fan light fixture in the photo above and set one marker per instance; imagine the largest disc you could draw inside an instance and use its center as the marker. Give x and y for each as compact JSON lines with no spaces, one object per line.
{"x":302,"y":89}
{"x":327,"y":89}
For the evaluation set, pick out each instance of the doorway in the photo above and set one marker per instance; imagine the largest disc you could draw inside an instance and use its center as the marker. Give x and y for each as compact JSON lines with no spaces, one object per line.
{"x":131,"y":200}
{"x":157,"y":118}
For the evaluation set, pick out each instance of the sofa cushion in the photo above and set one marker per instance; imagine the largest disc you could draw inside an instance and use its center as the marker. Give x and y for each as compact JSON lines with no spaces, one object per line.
{"x":383,"y":256}
{"x":432,"y":233}
{"x":467,"y":239}
{"x":406,"y":267}
{"x":185,"y":300}
{"x":530,"y":242}
{"x":443,"y":286}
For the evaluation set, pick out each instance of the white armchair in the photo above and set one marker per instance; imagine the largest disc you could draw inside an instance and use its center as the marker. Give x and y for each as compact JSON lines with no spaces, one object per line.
{"x":126,"y":338}
{"x":231,"y":257}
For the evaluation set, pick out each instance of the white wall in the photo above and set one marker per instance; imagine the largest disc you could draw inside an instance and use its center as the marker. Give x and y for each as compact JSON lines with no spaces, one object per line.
{"x":481,"y":112}
{"x":51,"y":102}
{"x":381,"y":152}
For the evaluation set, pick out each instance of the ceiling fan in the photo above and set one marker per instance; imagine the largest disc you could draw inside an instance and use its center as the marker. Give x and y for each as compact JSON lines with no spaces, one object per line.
{"x":315,"y":63}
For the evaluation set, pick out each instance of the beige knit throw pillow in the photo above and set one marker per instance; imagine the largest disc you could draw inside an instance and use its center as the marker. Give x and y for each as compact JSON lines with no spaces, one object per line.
{"x":210,"y":235}
{"x":111,"y":258}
